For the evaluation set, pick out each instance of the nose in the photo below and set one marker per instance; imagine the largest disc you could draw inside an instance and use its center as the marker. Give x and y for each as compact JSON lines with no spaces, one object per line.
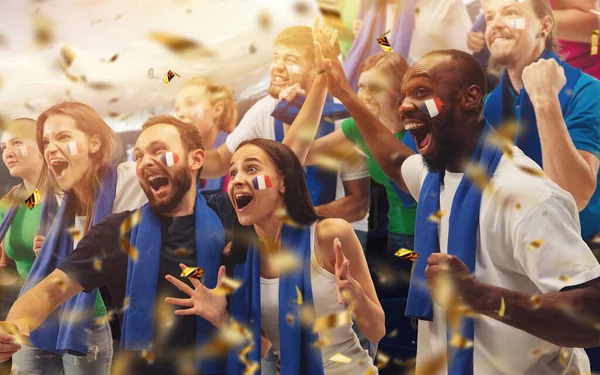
{"x":406,"y":105}
{"x":51,"y":149}
{"x":496,"y":22}
{"x":277,"y":65}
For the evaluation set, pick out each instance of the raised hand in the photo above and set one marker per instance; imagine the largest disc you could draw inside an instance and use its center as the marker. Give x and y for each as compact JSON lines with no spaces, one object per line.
{"x":448,"y":278}
{"x":290,"y":92}
{"x":543,"y":80}
{"x":12,"y":335}
{"x":202,"y":302}
{"x":475,"y":41}
{"x":343,"y":279}
{"x":38,"y":241}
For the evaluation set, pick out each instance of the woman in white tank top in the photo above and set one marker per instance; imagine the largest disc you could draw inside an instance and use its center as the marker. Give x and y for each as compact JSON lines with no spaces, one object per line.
{"x":266,"y":179}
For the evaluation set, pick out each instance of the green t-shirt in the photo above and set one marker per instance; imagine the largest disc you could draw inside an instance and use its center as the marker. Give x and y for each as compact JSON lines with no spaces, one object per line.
{"x":18,"y":244}
{"x":401,"y":219}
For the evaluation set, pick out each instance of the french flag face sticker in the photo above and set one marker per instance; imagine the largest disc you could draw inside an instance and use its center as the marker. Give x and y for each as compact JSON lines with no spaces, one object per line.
{"x":74,"y":148}
{"x":22,"y":151}
{"x":261,"y":182}
{"x":169,"y":158}
{"x":432,"y":106}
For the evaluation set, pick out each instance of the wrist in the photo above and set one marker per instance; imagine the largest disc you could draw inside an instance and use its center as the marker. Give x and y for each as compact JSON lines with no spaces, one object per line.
{"x":223,"y":320}
{"x":545,"y":102}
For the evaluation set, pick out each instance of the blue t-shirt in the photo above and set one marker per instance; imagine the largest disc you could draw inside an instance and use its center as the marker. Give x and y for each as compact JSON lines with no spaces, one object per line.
{"x":582,"y":117}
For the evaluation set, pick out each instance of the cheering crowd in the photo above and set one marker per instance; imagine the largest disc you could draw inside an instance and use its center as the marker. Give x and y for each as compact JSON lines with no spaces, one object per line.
{"x":235,"y":248}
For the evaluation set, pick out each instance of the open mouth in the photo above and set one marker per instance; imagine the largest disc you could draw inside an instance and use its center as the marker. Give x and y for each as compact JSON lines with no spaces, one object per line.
{"x":59,"y":166}
{"x":158,"y":182}
{"x":278,"y":80}
{"x":422,"y":135}
{"x":242,"y":200}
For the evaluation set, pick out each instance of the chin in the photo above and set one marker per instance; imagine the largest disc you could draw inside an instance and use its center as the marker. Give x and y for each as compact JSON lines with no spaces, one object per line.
{"x":274,"y":91}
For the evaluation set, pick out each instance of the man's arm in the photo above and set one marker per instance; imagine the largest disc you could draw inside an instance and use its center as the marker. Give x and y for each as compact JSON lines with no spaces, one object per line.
{"x":575,"y":22}
{"x":354,"y":206}
{"x":38,"y":303}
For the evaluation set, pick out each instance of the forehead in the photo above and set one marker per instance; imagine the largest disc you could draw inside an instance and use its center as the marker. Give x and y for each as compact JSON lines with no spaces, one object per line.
{"x":289,"y":50}
{"x":191,"y":91}
{"x":165,"y":133}
{"x":250,"y":151}
{"x":19,"y":130}
{"x":496,"y":5}
{"x":436,"y":67}
{"x":373,"y":76}
{"x":59,"y":122}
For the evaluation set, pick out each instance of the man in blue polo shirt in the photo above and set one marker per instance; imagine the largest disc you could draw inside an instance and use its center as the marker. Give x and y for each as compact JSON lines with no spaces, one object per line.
{"x":555,"y":105}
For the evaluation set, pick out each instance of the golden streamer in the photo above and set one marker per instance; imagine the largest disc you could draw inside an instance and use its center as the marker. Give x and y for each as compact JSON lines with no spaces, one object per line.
{"x":131,"y":221}
{"x":33,"y":199}
{"x":333,"y":321}
{"x":384,"y":44}
{"x":437,"y":216}
{"x":180,"y":45}
{"x":502,"y":310}
{"x":299,"y":298}
{"x":195,"y":272}
{"x":406,"y":254}
{"x":227,"y":286}
{"x":594,"y":50}
{"x":340,"y":358}
{"x":535,"y":244}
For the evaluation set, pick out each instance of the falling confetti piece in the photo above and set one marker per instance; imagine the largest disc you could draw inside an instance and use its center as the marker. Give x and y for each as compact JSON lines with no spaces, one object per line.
{"x":131,"y":221}
{"x":67,"y":56}
{"x":538,"y":172}
{"x":188,"y":11}
{"x":33,"y":199}
{"x":594,"y":50}
{"x":393,"y":334}
{"x":59,"y":283}
{"x":169,"y":76}
{"x":361,"y":152}
{"x":264,"y":20}
{"x":148,"y":356}
{"x":333,"y":321}
{"x":289,"y":318}
{"x":370,"y":371}
{"x":252,"y":49}
{"x":323,"y":341}
{"x":564,"y":278}
{"x":406,"y":254}
{"x":228,"y":286}
{"x":299,"y":298}
{"x":460,"y":342}
{"x":195,"y":272}
{"x":182,"y":252}
{"x":43,"y":29}
{"x":535,"y":244}
{"x":502,"y":310}
{"x":301,"y":7}
{"x":437,"y":217}
{"x":386,"y":33}
{"x":518,"y":206}
{"x":100,"y":85}
{"x":478,"y":175}
{"x":544,"y":213}
{"x":564,"y":355}
{"x":180,"y":45}
{"x":75,"y":234}
{"x":536,"y":300}
{"x":384,"y":44}
{"x":113,"y":58}
{"x":382,"y":360}
{"x":113,"y":100}
{"x":340,"y":358}
{"x":286,"y":261}
{"x":228,"y":337}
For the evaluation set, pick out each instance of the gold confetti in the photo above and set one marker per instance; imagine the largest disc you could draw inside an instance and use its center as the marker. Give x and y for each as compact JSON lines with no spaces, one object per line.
{"x":169,"y":76}
{"x":43,"y":30}
{"x":535,"y":244}
{"x":544,"y":213}
{"x":437,"y":217}
{"x":113,"y":58}
{"x":370,"y":371}
{"x":301,"y":7}
{"x":286,"y":260}
{"x":340,"y":358}
{"x":97,"y":264}
{"x":502,"y":310}
{"x":180,"y":45}
{"x":228,"y":337}
{"x":33,"y":199}
{"x":289,"y":318}
{"x":406,"y":254}
{"x":393,"y":334}
{"x":594,"y":50}
{"x":264,"y":20}
{"x":460,"y":342}
{"x":195,"y":272}
{"x":148,"y":356}
{"x":328,"y":163}
{"x":518,"y":206}
{"x":131,"y":221}
{"x":333,"y":321}
{"x":536,"y":300}
{"x":100,"y":85}
{"x":382,"y":359}
{"x":113,"y":100}
{"x":181,"y":252}
{"x":307,"y":314}
{"x":384,"y":44}
{"x":564,"y":278}
{"x":532,"y":171}
{"x":323,"y":341}
{"x":564,"y":355}
{"x":66,"y":56}
{"x":252,"y":49}
{"x":228,"y":286}
{"x":299,"y":298}
{"x":478,"y":176}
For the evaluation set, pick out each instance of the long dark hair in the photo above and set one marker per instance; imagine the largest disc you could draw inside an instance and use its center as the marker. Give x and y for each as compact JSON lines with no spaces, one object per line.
{"x":296,"y":198}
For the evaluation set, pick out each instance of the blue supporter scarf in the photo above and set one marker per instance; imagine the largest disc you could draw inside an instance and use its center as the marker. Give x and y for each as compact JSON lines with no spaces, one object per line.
{"x":498,"y":110}
{"x":321,"y":183}
{"x":462,"y":242}
{"x":298,"y":355}
{"x":67,"y":329}
{"x":406,"y":198}
{"x":141,"y":289}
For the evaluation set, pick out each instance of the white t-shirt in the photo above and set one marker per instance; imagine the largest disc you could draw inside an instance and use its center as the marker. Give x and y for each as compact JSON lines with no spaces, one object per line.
{"x":258,"y":123}
{"x":546,"y":212}
{"x":128,"y":195}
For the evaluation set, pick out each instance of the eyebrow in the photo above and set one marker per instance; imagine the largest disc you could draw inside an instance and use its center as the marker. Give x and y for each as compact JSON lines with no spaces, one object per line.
{"x":247,"y":160}
{"x":57,"y":134}
{"x":421,"y":75}
{"x":151,"y":145}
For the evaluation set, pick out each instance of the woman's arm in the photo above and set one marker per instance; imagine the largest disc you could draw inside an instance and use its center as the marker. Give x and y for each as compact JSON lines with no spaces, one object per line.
{"x":352,"y":272}
{"x":574,"y":21}
{"x":334,"y":143}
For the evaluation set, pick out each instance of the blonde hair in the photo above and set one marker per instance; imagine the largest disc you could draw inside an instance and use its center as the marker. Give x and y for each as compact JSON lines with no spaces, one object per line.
{"x":91,"y":123}
{"x":219,"y":94}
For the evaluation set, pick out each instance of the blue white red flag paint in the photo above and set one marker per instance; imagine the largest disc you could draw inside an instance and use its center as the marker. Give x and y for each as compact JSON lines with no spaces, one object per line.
{"x":432,"y":106}
{"x":261,"y":182}
{"x":169,"y":158}
{"x":74,"y":148}
{"x":22,"y":151}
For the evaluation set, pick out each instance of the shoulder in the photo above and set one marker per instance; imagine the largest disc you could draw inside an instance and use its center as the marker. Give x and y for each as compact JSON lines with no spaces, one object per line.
{"x":126,"y":171}
{"x":349,"y":129}
{"x":329,"y":229}
{"x":585,"y":85}
{"x":414,"y":172}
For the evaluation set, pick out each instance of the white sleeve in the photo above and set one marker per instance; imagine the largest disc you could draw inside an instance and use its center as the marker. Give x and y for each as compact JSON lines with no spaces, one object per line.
{"x":129,"y":194}
{"x":413,"y":170}
{"x":251,"y":126}
{"x":354,"y":170}
{"x":563,"y":259}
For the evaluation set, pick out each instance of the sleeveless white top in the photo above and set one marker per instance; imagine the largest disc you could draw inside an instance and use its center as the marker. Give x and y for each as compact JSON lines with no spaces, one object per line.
{"x":343,"y":339}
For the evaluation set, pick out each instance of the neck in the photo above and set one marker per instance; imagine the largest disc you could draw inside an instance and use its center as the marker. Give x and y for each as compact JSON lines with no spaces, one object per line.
{"x":467,"y":146}
{"x":209,"y":137}
{"x":269,"y":231}
{"x":515,"y":71}
{"x":30,"y":183}
{"x":186,"y":207}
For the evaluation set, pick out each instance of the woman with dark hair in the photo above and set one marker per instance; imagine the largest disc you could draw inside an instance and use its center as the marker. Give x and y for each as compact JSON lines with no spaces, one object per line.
{"x":84,"y":187}
{"x":330,"y":278}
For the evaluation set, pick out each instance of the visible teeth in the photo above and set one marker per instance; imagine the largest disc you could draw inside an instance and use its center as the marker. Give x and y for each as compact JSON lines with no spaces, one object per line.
{"x":152,"y":178}
{"x":413,"y":126}
{"x":239,"y":195}
{"x":278,"y":79}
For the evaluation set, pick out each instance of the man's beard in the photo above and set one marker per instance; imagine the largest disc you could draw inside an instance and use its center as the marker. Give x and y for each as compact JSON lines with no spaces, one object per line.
{"x":506,"y":60}
{"x":445,"y":147}
{"x":182,"y":182}
{"x":274,"y":91}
